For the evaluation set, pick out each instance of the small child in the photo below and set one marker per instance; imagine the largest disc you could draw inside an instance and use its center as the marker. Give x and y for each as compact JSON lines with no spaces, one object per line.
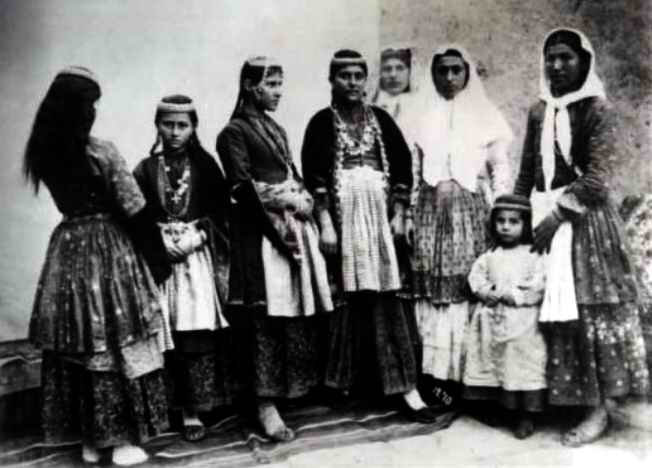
{"x":505,"y":351}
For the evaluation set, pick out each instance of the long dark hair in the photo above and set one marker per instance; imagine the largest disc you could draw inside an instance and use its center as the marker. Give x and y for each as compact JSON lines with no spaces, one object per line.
{"x":254,"y":73}
{"x":61,"y":129}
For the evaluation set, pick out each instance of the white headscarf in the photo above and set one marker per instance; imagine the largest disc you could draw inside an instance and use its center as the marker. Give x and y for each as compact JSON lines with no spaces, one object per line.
{"x":455,"y":134}
{"x":403,"y":107}
{"x":592,"y":87}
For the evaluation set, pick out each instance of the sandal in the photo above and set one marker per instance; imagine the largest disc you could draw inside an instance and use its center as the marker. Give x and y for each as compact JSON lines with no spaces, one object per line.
{"x":283,"y":434}
{"x":194,"y":432}
{"x":589,"y":430}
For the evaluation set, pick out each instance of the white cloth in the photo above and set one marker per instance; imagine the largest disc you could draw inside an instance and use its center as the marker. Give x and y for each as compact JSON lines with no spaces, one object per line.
{"x":464,"y":138}
{"x":442,"y":330}
{"x":369,"y":259}
{"x":559,"y":303}
{"x":292,"y":293}
{"x":556,"y":114}
{"x":189,"y":294}
{"x":559,"y":300}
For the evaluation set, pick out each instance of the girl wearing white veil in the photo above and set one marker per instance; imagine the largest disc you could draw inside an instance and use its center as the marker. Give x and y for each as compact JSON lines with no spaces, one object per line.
{"x":464,"y":140}
{"x":590,"y":312}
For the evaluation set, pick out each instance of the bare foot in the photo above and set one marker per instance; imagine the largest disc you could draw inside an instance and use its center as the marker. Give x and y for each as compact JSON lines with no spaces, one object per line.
{"x":589,"y":430}
{"x":272,"y":423}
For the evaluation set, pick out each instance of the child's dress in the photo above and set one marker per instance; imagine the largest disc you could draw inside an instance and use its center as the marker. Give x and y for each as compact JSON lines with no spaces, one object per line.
{"x":505,"y":351}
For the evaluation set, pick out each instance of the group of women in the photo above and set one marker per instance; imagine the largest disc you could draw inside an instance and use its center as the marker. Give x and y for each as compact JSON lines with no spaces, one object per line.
{"x":184,"y":286}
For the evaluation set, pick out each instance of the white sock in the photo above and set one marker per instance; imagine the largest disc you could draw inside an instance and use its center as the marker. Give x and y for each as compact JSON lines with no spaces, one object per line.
{"x":127,"y":455}
{"x":90,"y":454}
{"x":413,"y":399}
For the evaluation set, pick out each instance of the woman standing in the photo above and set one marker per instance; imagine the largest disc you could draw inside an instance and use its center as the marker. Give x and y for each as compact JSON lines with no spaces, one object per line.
{"x":595,"y":345}
{"x":464,"y":139}
{"x":398,"y":95}
{"x":278,"y":285}
{"x":357,"y":165}
{"x":187,"y":197}
{"x":96,"y":313}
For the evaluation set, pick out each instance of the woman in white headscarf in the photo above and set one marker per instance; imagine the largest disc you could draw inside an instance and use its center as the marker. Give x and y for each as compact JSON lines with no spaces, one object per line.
{"x":590,"y":312}
{"x":398,"y":94}
{"x":464,"y":140}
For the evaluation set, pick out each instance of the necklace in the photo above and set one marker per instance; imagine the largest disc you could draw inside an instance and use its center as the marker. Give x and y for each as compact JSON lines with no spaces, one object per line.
{"x":346,"y":144}
{"x":174,"y":201}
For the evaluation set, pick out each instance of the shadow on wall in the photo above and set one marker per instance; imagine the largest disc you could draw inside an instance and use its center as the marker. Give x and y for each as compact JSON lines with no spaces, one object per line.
{"x":505,"y":36}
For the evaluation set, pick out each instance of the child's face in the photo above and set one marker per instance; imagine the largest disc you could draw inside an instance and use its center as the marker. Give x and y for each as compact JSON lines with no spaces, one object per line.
{"x":175,"y":129}
{"x":509,"y":226}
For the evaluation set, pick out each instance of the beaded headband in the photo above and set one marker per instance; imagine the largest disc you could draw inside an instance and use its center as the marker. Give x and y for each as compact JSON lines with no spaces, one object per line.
{"x":80,"y":71}
{"x":163,"y":106}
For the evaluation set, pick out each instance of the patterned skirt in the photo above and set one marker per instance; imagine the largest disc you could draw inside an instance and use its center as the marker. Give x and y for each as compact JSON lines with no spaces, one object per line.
{"x":95,"y":295}
{"x":103,"y":409}
{"x":368,"y":255}
{"x":202,"y":370}
{"x":450,"y":234}
{"x":278,"y":357}
{"x":601,"y":355}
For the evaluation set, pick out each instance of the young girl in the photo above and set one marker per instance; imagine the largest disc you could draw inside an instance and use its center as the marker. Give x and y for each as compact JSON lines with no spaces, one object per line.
{"x":505,"y":352}
{"x":186,"y":195}
{"x":279,"y":290}
{"x":96,"y":313}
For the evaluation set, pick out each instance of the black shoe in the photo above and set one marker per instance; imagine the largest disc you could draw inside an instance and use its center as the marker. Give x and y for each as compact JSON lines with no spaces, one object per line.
{"x":425,"y":415}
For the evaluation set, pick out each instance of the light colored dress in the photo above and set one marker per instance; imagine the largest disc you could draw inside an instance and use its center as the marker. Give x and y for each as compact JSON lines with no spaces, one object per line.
{"x":464,"y":142}
{"x":504,"y":347}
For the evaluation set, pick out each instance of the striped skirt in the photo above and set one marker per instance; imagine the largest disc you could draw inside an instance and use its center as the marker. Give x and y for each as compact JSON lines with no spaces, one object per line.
{"x":368,"y":255}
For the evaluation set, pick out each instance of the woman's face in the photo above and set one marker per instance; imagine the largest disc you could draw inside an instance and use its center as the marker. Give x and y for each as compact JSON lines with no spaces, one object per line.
{"x":394,"y":76}
{"x":175,"y":129}
{"x":563,"y":68}
{"x":267,"y":94}
{"x":348,"y":84}
{"x":449,"y":75}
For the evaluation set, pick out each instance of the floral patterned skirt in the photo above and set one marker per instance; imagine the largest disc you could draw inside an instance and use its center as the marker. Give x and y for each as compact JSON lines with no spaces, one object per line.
{"x":278,"y":357}
{"x":103,"y":409}
{"x":601,"y":355}
{"x":604,"y":273}
{"x":202,"y":370}
{"x":450,"y":234}
{"x":93,"y":286}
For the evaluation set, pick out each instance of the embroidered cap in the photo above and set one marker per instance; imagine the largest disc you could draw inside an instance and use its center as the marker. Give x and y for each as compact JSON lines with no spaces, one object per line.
{"x":512,"y":202}
{"x":176,"y":103}
{"x":83,"y":72}
{"x":345,"y":57}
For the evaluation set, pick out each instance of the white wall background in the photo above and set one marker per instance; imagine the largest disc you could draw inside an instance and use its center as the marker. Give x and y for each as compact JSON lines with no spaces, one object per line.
{"x":141,"y":51}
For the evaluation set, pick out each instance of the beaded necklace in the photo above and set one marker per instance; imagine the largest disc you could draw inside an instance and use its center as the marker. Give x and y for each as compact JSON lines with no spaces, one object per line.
{"x":345,"y":143}
{"x":175,"y":202}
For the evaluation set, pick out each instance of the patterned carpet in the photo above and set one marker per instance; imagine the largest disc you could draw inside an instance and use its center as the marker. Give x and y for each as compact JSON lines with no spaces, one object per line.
{"x":233,"y":441}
